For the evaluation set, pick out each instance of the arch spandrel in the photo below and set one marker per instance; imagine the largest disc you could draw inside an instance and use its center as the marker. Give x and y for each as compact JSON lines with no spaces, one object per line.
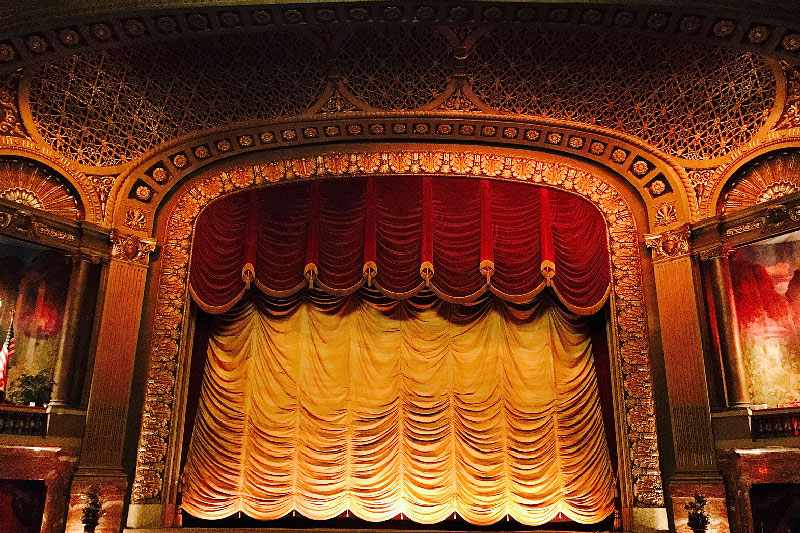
{"x":639,"y":462}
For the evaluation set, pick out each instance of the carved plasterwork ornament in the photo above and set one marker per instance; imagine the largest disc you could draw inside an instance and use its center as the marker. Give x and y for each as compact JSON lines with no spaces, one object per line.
{"x":631,"y":352}
{"x":716,"y":253}
{"x":767,"y":180}
{"x":10,"y":122}
{"x":33,"y":185}
{"x":131,"y":248}
{"x":103,"y":186}
{"x":17,"y":147}
{"x":520,"y":70}
{"x":790,"y":118}
{"x":337,"y":103}
{"x":670,"y":244}
{"x":666,"y":214}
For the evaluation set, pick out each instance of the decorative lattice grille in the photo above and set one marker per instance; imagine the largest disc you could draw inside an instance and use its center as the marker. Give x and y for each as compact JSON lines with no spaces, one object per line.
{"x":400,"y":67}
{"x":105,"y":108}
{"x":690,"y":102}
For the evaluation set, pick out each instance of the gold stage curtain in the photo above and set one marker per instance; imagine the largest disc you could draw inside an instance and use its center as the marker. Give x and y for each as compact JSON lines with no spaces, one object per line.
{"x":323,"y":404}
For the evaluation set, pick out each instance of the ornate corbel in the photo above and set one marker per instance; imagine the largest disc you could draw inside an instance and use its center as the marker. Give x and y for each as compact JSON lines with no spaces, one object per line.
{"x":669,"y":244}
{"x":131,"y":248}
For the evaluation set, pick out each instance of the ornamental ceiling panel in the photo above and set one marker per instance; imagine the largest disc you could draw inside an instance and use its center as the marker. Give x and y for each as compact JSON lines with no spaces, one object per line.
{"x":106,"y":108}
{"x":691,"y":102}
{"x":402,"y":67}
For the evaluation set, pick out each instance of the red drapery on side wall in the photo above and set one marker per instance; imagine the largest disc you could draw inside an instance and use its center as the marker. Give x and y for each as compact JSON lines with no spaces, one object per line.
{"x":458,"y":236}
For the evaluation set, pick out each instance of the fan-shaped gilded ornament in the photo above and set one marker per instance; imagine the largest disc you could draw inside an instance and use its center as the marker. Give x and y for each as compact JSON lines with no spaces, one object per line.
{"x":772,"y":178}
{"x":34,"y":186}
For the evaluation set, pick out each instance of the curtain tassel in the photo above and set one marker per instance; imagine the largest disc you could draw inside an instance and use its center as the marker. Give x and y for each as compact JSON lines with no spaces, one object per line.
{"x":310,"y":272}
{"x":487,"y":270}
{"x":248,"y":275}
{"x":548,"y":269}
{"x":426,"y":271}
{"x":369,"y":272}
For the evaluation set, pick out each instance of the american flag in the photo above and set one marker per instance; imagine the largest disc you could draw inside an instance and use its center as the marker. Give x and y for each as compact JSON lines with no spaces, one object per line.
{"x":6,"y":353}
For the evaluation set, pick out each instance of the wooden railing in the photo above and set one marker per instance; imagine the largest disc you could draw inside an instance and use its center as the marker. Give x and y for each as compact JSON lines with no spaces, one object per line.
{"x":22,"y":420}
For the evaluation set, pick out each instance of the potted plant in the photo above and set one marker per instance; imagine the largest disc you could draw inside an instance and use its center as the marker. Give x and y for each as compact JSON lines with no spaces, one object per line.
{"x":93,"y":510}
{"x":698,"y":518}
{"x":31,"y":389}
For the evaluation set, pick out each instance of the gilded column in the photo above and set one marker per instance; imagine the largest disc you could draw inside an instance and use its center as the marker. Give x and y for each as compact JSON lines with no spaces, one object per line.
{"x":736,"y":391}
{"x":65,"y":361}
{"x":693,"y":441}
{"x":106,"y":417}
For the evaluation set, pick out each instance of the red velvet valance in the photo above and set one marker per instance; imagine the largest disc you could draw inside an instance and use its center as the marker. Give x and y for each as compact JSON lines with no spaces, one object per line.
{"x":457,"y":236}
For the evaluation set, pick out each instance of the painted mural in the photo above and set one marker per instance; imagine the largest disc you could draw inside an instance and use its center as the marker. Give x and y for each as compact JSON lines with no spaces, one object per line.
{"x":766,"y":285}
{"x":33,"y":288}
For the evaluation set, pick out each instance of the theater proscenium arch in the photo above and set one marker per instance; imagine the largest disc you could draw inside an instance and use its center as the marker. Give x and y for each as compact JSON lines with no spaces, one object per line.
{"x":639,"y":469}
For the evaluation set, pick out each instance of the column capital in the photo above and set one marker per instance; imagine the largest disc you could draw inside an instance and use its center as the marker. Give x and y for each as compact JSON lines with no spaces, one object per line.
{"x":670,"y":244}
{"x":131,"y":248}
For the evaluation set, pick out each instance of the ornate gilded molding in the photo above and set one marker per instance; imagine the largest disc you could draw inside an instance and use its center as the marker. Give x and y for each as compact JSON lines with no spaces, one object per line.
{"x":10,"y":121}
{"x":26,"y":149}
{"x":39,"y":34}
{"x":774,"y":177}
{"x":747,"y":227}
{"x":33,"y":185}
{"x":624,"y":155}
{"x":715,"y":186}
{"x":790,"y":118}
{"x":639,"y":436}
{"x":716,"y":252}
{"x":670,"y":244}
{"x":52,"y":230}
{"x":131,"y":248}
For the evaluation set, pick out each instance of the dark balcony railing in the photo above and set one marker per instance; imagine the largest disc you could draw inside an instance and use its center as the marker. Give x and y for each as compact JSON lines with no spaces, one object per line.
{"x":22,"y":420}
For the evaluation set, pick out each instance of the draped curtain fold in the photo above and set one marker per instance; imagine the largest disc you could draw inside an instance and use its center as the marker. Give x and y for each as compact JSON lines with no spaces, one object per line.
{"x":321,"y":404}
{"x":459,"y":236}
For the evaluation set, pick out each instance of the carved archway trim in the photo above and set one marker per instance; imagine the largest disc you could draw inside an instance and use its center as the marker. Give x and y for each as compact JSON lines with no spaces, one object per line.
{"x":25,"y":149}
{"x":658,"y":179}
{"x":159,"y":443}
{"x":719,"y":180}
